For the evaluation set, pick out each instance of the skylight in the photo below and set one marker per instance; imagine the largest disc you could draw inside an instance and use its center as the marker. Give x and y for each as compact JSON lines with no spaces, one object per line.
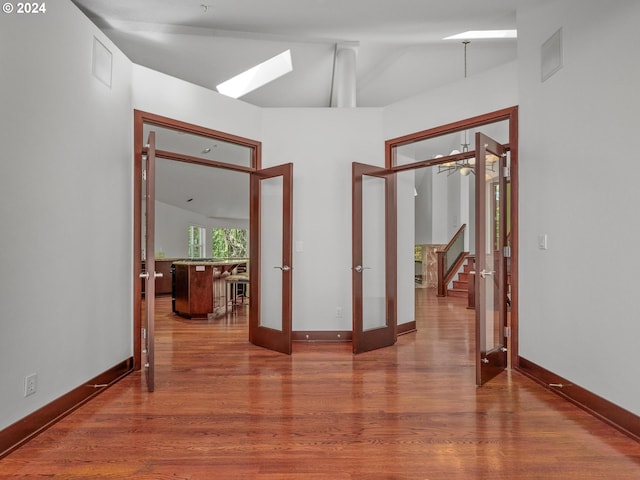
{"x":483,"y":34}
{"x":257,"y":76}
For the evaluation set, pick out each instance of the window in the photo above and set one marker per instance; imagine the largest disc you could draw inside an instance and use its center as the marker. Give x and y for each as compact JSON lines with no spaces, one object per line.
{"x":229,"y":243}
{"x":196,"y":242}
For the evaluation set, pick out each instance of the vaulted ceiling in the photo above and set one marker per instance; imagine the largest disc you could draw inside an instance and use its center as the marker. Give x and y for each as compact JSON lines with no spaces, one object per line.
{"x":400,"y":53}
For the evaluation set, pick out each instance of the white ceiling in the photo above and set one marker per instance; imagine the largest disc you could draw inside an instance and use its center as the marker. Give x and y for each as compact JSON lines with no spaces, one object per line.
{"x":213,"y":192}
{"x":401,"y":53}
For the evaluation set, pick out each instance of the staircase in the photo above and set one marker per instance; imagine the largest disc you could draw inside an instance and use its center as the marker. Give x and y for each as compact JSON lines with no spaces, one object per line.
{"x":461,"y":283}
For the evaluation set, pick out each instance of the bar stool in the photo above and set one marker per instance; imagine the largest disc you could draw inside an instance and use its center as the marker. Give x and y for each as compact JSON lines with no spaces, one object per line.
{"x":219,"y":292}
{"x":234,"y":285}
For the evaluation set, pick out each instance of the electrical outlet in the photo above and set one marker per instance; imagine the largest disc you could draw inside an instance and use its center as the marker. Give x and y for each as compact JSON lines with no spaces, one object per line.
{"x":30,"y":384}
{"x":338,"y":312}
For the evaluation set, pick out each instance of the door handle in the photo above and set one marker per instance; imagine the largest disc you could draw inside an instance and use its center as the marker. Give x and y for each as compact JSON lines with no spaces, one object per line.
{"x":485,"y":274}
{"x":146,"y":275}
{"x":360,"y":268}
{"x":284,"y":268}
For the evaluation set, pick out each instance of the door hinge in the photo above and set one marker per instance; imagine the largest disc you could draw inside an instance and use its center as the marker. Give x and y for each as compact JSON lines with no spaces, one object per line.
{"x":506,"y":251}
{"x":506,"y":173}
{"x":507,"y":332}
{"x":144,"y":175}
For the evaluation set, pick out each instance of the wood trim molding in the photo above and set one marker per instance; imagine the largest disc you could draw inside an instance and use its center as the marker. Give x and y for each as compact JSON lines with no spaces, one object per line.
{"x":341,"y":336}
{"x":408,"y":327}
{"x":610,"y":413}
{"x":37,"y":422}
{"x":492,"y":117}
{"x":171,"y":123}
{"x":322,"y":336}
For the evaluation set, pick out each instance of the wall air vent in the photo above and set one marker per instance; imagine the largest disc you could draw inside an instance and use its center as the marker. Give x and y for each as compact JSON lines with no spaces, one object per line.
{"x":551,"y":55}
{"x":102,"y":62}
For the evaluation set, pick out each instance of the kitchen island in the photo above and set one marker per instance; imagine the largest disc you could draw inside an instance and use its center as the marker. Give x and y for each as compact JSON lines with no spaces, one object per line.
{"x":198,"y":286}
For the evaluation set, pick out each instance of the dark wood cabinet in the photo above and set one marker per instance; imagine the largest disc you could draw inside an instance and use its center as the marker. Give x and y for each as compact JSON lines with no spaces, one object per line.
{"x":199,"y":287}
{"x":193,"y":295}
{"x":163,"y":284}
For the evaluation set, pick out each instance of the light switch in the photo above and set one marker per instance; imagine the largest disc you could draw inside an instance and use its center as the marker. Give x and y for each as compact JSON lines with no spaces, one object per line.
{"x":299,"y":246}
{"x":542,"y":241}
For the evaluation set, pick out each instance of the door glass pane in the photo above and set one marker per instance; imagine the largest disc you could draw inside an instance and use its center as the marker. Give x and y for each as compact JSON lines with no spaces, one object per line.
{"x":271,"y":200}
{"x":491,"y":337}
{"x":373,"y":253}
{"x":207,"y":148}
{"x":444,"y":145}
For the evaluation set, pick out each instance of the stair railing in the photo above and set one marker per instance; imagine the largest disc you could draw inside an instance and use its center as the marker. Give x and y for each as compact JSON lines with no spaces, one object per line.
{"x":449,"y":260}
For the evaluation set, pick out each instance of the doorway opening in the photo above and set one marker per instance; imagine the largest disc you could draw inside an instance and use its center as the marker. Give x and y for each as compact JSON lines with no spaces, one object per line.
{"x":201,"y":173}
{"x":407,"y":157}
{"x":214,"y":163}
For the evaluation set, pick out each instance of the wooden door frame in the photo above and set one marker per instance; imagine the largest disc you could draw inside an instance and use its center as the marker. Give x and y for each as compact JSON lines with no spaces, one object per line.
{"x":510,"y":115}
{"x":140,"y":118}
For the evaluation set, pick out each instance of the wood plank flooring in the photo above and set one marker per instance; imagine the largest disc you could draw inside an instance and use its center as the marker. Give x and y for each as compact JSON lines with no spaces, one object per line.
{"x":225,"y":409}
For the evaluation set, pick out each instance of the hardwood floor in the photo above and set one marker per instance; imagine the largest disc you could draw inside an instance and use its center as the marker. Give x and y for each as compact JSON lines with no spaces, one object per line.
{"x":225,"y":409}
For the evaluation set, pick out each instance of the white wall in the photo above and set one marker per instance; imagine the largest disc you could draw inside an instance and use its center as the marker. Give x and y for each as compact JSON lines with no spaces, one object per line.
{"x":440,"y":208}
{"x":172,"y":224}
{"x":453,"y":204}
{"x":65,"y":208}
{"x":322,"y":143}
{"x":161,"y":94}
{"x":475,"y":95}
{"x":424,"y":208}
{"x":578,"y":184}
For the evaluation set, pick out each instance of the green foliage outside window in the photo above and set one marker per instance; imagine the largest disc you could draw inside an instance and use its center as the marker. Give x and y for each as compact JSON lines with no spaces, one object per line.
{"x":229,"y":243}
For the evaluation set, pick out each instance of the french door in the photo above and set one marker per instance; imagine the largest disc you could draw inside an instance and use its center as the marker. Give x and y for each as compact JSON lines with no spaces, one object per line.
{"x":490,"y":278}
{"x":271,"y":234}
{"x":149,"y":275}
{"x":374,"y":258}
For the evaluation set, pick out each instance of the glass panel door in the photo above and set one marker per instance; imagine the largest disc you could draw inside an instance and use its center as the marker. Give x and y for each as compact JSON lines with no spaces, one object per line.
{"x":271,"y":258}
{"x":491,"y":351}
{"x":149,"y":275}
{"x":374,"y":258}
{"x":374,"y":313}
{"x":271,"y":195}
